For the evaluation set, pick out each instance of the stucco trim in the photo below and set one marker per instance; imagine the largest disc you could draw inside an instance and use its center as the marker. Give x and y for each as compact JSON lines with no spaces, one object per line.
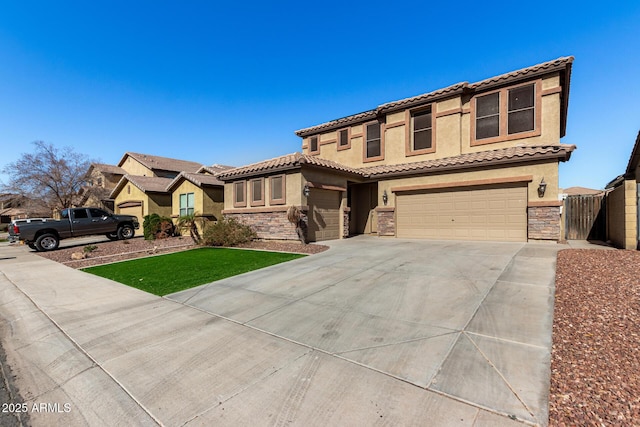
{"x":545,"y":203}
{"x":449,"y":112}
{"x":303,"y":208}
{"x":325,"y":187}
{"x":552,"y":91}
{"x":456,"y":184}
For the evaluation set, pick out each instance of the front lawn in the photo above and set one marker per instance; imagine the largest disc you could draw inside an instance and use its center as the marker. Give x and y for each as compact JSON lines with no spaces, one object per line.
{"x":166,"y":274}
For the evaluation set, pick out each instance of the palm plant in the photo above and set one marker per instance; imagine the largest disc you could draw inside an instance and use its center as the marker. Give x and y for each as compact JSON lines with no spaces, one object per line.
{"x":190,"y":222}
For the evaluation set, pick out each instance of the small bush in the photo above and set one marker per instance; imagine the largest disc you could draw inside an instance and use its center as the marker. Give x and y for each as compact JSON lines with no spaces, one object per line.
{"x":157,"y":227}
{"x":89,"y":248}
{"x":227,"y":232}
{"x":4,"y":228}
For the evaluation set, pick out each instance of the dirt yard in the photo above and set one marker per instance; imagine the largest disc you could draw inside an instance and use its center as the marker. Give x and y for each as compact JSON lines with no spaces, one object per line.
{"x":595,"y":361}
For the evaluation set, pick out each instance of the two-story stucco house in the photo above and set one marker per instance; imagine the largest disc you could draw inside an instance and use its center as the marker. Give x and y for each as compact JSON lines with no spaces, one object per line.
{"x":472,"y":161}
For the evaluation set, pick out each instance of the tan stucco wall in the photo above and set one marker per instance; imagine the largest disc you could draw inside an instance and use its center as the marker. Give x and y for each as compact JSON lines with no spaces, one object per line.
{"x":133,"y":167}
{"x":548,"y":170}
{"x":622,"y":211}
{"x":151,"y":202}
{"x":452,"y":132}
{"x":293,"y":191}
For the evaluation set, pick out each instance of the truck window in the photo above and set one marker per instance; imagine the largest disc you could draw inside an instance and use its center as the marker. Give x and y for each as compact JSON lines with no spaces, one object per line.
{"x":97,"y":213}
{"x":80,"y":213}
{"x":64,"y":214}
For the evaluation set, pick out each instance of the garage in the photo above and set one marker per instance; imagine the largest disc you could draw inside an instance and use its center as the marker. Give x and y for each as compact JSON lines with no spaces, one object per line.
{"x":468,"y":213}
{"x":324,"y":215}
{"x":131,"y":208}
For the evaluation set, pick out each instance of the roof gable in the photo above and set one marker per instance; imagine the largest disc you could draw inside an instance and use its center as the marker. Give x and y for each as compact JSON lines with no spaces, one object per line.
{"x":635,"y":157}
{"x":198,"y":179}
{"x":146,"y":184}
{"x":156,"y":163}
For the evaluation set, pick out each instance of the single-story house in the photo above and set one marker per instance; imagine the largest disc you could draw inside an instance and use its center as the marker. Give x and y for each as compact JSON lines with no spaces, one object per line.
{"x":472,"y":161}
{"x":623,"y":204}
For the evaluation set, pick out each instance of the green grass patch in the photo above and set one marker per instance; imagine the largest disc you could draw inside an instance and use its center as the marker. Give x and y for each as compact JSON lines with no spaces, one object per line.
{"x":166,"y":274}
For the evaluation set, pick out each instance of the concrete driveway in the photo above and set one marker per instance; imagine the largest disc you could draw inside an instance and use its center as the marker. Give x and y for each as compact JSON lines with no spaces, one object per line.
{"x":373,"y":331}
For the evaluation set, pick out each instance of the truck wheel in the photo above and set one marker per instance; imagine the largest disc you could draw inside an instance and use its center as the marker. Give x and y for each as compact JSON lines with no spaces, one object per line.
{"x":47,"y":242}
{"x":33,"y":246}
{"x":125,"y":232}
{"x":112,"y":236}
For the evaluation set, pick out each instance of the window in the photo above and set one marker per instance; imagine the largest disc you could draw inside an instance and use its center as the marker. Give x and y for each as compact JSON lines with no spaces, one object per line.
{"x":313,"y":145}
{"x":521,"y":109}
{"x":488,"y":116}
{"x":257,"y":192}
{"x":80,"y":214}
{"x":421,"y":130}
{"x":344,"y":141}
{"x":187,"y":204}
{"x":373,"y":142}
{"x":507,"y":114}
{"x":97,"y":213}
{"x":277,"y":186}
{"x":239,"y":194}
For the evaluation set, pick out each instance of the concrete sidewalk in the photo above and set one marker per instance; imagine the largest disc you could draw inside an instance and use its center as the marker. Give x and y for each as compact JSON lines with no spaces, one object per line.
{"x":374,"y":331}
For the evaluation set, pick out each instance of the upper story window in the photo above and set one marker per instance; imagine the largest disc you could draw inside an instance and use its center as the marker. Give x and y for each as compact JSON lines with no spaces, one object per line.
{"x":507,"y":114}
{"x":420,"y":138}
{"x":257,"y":192}
{"x":313,"y":145}
{"x":344,"y":141}
{"x":239,"y":194}
{"x":373,"y":142}
{"x":187,"y":204}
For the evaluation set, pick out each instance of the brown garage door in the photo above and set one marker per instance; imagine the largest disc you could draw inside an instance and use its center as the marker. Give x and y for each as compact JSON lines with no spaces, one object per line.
{"x":324,"y":215}
{"x":470,"y":213}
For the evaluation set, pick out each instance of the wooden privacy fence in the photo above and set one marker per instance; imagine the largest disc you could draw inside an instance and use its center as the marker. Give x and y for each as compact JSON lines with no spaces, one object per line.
{"x":585,"y":217}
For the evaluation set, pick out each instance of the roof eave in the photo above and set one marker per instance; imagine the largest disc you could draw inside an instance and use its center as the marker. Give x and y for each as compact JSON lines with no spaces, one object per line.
{"x":249,"y":174}
{"x":562,"y":156}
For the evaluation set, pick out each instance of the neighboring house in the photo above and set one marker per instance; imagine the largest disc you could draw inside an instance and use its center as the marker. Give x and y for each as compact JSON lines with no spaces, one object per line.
{"x":100,"y":182}
{"x":623,"y":204}
{"x":200,"y":193}
{"x":581,"y":191}
{"x":143,"y":189}
{"x":473,"y":161}
{"x":15,"y":206}
{"x":142,"y":195}
{"x":148,"y":165}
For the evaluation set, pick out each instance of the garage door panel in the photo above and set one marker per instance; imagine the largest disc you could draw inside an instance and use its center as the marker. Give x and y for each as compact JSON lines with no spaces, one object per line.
{"x":324,"y":215}
{"x":490,"y":213}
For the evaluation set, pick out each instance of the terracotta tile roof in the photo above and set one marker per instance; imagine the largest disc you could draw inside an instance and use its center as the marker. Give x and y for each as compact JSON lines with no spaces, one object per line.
{"x":214,"y":169}
{"x":288,"y":161}
{"x":198,"y":179}
{"x":417,"y":100}
{"x":524,"y":73}
{"x":144,"y":183}
{"x":162,"y":163}
{"x":563,"y":63}
{"x":503,"y":155}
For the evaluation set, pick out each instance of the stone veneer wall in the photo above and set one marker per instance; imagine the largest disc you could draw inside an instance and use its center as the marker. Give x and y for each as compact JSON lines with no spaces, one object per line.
{"x":345,"y":223}
{"x":271,"y":225}
{"x":386,"y":221}
{"x":544,"y":223}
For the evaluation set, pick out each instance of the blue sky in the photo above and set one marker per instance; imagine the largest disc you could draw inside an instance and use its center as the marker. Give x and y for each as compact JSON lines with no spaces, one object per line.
{"x":230,"y":82}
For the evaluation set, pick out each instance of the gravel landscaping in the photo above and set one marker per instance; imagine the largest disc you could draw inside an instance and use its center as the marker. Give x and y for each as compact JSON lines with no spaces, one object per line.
{"x":120,"y":250}
{"x":595,"y":360}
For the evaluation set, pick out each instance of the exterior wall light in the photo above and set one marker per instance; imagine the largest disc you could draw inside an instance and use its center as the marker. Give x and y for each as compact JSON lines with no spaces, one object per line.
{"x":542,"y":188}
{"x":385,"y":197}
{"x":306,"y":190}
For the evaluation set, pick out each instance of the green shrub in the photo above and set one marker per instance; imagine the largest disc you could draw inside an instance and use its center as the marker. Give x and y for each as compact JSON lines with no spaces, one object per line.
{"x":227,"y":232}
{"x":155,"y":226}
{"x":90,"y":248}
{"x":4,"y":228}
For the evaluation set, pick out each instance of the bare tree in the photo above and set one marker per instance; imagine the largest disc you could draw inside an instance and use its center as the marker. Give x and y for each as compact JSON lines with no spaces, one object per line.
{"x":49,"y":175}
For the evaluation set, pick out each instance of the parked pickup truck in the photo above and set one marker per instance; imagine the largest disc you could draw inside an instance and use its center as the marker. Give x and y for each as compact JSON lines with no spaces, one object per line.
{"x":76,"y":222}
